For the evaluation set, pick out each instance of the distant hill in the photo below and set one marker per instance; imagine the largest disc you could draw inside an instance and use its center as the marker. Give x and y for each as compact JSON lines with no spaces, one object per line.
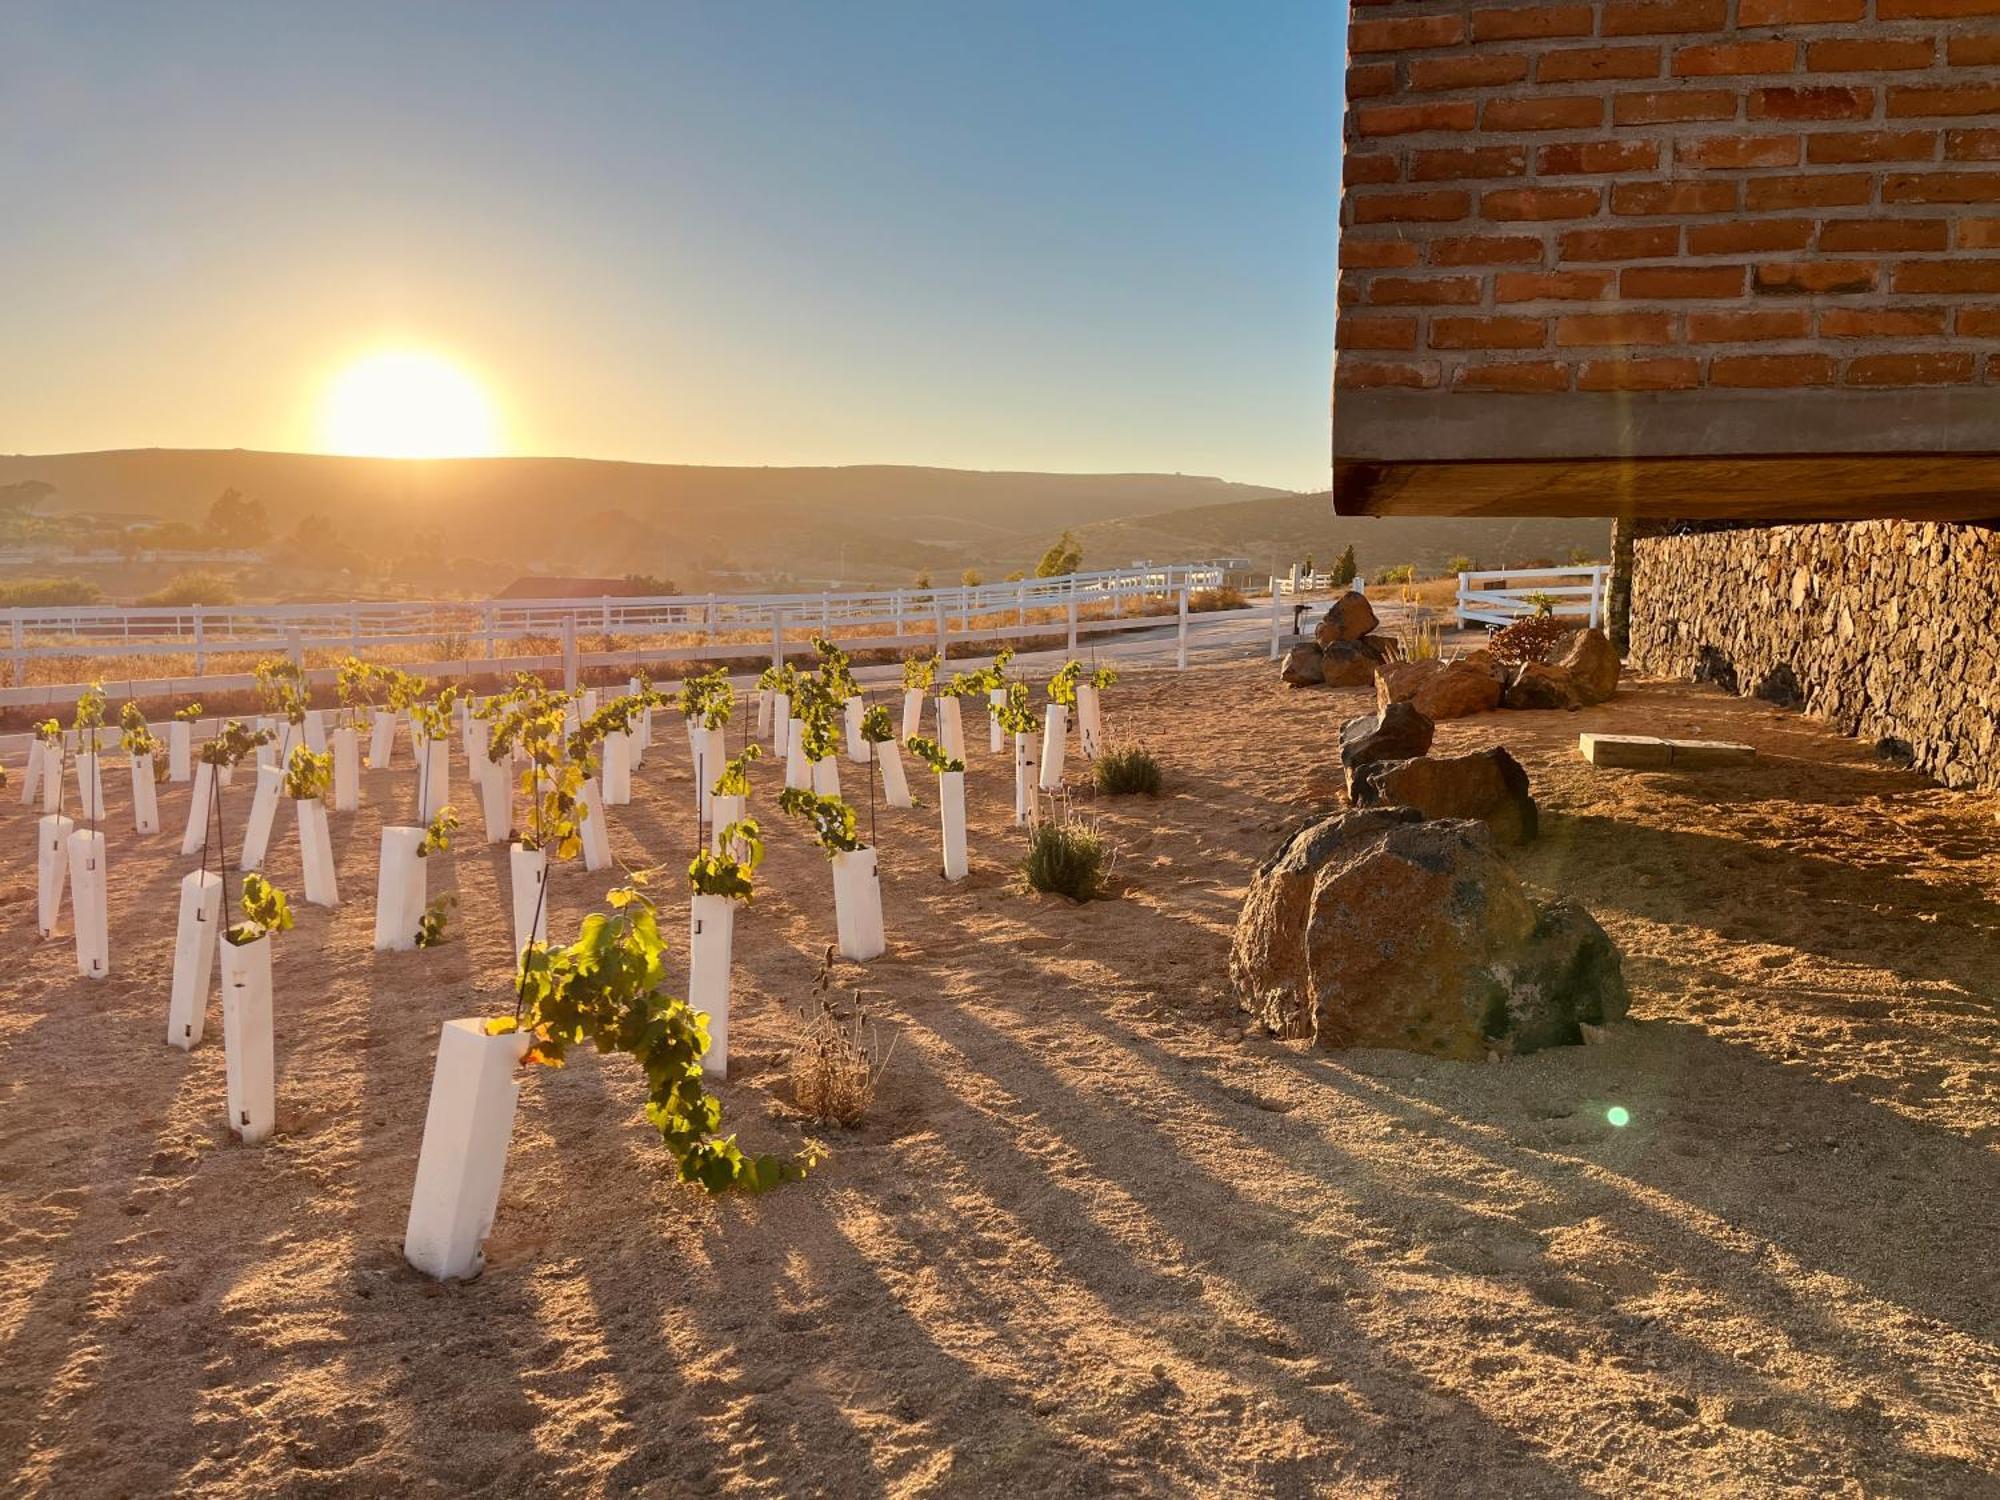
{"x":1273,"y":531}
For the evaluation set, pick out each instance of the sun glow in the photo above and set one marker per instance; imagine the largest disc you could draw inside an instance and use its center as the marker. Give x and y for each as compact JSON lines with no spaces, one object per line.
{"x":407,"y":403}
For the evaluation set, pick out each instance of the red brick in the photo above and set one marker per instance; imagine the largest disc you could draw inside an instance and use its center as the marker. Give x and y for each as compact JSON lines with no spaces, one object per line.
{"x":1833,"y":146}
{"x":1487,"y":250}
{"x":1799,"y":12}
{"x":1660,"y":17}
{"x":1677,"y":198}
{"x":1748,"y":327}
{"x":1946,"y":276}
{"x":1978,"y":322}
{"x":1437,"y":207}
{"x":1477,"y":71}
{"x":1371,"y":80}
{"x":1875,"y":54}
{"x":1925,"y":10}
{"x":1406,"y":33}
{"x":1681,"y":281}
{"x":1532,"y":21}
{"x":1976,"y":50}
{"x":1745,"y":236}
{"x":1833,"y":190}
{"x":1639,"y":375}
{"x":1734,"y":152}
{"x":1367,"y":254}
{"x":1943,"y":367}
{"x":1590,"y":64}
{"x":1941,"y":187}
{"x":1814,"y":277}
{"x":1666,"y":108}
{"x":1349,"y":289}
{"x":1966,"y":99}
{"x":1881,"y":322}
{"x":1845,"y":235}
{"x":1449,"y":164}
{"x":1563,"y":112}
{"x":1573,"y":157}
{"x":1423,"y":291}
{"x":1979,"y":234}
{"x":1542,"y":204}
{"x":1599,"y":330}
{"x":1972,"y":145}
{"x":1638,"y":242}
{"x":1403,"y":119}
{"x":1819,"y":102}
{"x":1766,"y":370}
{"x":1552,"y":286}
{"x":1723,"y":59}
{"x":1514,"y":375}
{"x":1359,"y":332}
{"x":1357,"y":374}
{"x":1487,"y":333}
{"x":1369,"y":170}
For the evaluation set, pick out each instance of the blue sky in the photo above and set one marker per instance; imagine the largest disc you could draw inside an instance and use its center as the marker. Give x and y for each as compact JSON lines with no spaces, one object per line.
{"x":1084,"y":236}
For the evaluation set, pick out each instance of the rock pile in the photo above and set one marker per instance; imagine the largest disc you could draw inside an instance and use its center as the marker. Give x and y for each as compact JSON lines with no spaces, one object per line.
{"x":1344,"y":650}
{"x":1584,"y":671}
{"x":1376,"y":928}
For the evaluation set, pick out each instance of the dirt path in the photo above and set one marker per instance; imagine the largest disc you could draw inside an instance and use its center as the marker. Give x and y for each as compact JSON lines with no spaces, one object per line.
{"x":1094,"y":1238}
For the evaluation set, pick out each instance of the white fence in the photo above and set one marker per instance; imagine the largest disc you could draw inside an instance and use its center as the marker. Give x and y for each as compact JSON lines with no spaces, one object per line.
{"x":1500,"y":596}
{"x":479,"y":637}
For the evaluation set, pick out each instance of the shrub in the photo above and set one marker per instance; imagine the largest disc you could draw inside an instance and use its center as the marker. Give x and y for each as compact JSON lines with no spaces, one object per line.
{"x":1460,"y":564}
{"x":837,"y":1063}
{"x":1203,"y":601}
{"x":1532,"y":639}
{"x":30,"y":592}
{"x":1401,"y":573}
{"x":1066,"y":858}
{"x":198,"y":587}
{"x":1345,"y":570}
{"x":1126,"y":770}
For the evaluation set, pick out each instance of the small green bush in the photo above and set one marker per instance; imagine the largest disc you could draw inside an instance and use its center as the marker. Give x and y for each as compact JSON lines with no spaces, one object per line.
{"x":1066,"y":858}
{"x":1126,"y":770}
{"x":197,"y":587}
{"x":30,"y":592}
{"x":1401,"y":573}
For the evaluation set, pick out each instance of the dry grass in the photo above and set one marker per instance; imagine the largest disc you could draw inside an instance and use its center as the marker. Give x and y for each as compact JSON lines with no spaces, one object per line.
{"x":838,"y":1061}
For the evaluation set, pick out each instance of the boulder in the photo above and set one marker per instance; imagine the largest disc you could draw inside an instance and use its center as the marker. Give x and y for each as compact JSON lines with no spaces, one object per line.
{"x":1303,"y":666}
{"x":1373,"y":929}
{"x":1348,"y":618}
{"x":1398,"y":732}
{"x":1489,"y":786}
{"x":1348,"y":664}
{"x":1536,"y":686}
{"x":1441,"y":690}
{"x":1592,"y":664}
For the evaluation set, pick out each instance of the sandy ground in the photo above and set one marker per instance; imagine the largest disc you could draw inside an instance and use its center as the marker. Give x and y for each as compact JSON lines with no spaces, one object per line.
{"x":1094,"y":1238}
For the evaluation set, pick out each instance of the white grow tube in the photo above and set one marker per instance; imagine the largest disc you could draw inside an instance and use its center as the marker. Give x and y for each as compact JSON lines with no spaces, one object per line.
{"x":401,"y":889}
{"x":857,"y":747}
{"x":727,"y":810}
{"x":90,"y":785}
{"x":51,"y":779}
{"x":433,"y":779}
{"x":529,"y":869}
{"x":798,"y":770}
{"x":913,"y":712}
{"x":31,"y":779}
{"x":951,"y":728}
{"x":617,"y":788}
{"x":200,"y":808}
{"x":51,"y":869}
{"x":316,"y":852}
{"x":474,"y":1089}
{"x":315,"y":731}
{"x":263,"y":815}
{"x":711,"y":750}
{"x":496,"y":797}
{"x":250,"y":1073}
{"x":595,"y":829}
{"x":781,"y":721}
{"x":194,"y":957}
{"x":382,"y":739}
{"x":996,"y":737}
{"x":145,"y":796}
{"x":180,"y":751}
{"x":951,"y":819}
{"x":764,"y":697}
{"x":346,"y":769}
{"x":857,"y":905}
{"x":89,"y":903}
{"x":1026,"y":764}
{"x":1089,"y":720}
{"x":895,"y":785}
{"x":826,"y":777}
{"x":1055,"y":734}
{"x":711,"y":935}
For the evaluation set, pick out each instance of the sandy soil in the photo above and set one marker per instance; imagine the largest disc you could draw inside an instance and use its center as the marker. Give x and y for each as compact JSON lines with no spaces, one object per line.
{"x":1094,"y":1238}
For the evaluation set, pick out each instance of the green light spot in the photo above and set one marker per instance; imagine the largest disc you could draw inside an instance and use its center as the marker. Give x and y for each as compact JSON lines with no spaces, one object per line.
{"x":1619,"y":1116}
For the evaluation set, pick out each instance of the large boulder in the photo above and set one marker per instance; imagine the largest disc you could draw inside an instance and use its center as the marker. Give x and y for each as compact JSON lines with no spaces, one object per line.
{"x":1348,"y":664}
{"x":1303,"y":666}
{"x":1398,"y":732}
{"x":1534,"y":685}
{"x":1440,"y":690}
{"x":1372,"y":928}
{"x":1348,"y":618}
{"x":1488,"y":785}
{"x":1592,"y":664}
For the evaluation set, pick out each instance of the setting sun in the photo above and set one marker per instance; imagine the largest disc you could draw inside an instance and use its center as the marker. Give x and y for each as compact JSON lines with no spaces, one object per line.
{"x":408,"y":404}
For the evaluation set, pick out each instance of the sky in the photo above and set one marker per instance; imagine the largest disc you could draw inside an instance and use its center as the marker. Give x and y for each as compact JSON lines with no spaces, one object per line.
{"x":1094,"y":235}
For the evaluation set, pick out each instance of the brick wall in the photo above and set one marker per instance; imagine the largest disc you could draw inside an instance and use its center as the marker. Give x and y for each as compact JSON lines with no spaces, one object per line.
{"x":1665,"y":195}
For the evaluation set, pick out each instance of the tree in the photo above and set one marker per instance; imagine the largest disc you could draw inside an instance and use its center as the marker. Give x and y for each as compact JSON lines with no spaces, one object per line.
{"x":238,"y":522}
{"x":1344,"y":570}
{"x":1066,"y":556}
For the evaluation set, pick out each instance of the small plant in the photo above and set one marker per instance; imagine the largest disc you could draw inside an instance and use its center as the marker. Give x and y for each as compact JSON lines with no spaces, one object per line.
{"x":188,"y":713}
{"x":919,"y":672}
{"x":89,"y":718}
{"x":433,"y":719}
{"x":934,"y":755}
{"x":1065,"y":858}
{"x":234,"y":743}
{"x":1420,"y":639}
{"x":782,"y":678}
{"x":876,"y":726}
{"x":1017,"y":714}
{"x":281,"y":687}
{"x":437,"y":915}
{"x":437,"y":836}
{"x":308,"y":777}
{"x":356,"y":684}
{"x":1401,"y":573}
{"x":728,"y":872}
{"x":1128,"y":770}
{"x":1207,"y":601}
{"x":735,"y":778}
{"x":830,"y":818}
{"x":1534,"y":638}
{"x":835,"y":670}
{"x":1102,"y":677}
{"x":1062,"y":687}
{"x":265,"y":911}
{"x":708,"y":696}
{"x":838,"y":1061}
{"x":135,"y":735}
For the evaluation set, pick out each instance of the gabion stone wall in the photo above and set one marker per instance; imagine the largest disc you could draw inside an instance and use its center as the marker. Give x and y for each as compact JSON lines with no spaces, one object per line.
{"x":1887,"y":629}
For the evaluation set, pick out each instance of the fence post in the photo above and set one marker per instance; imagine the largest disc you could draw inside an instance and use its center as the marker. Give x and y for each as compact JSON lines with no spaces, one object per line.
{"x":1277,"y":620}
{"x":1072,"y":620}
{"x":20,"y":655}
{"x":1596,"y":597}
{"x":570,"y":663}
{"x":777,"y":636}
{"x":200,"y":654}
{"x":486,"y":630}
{"x":1464,"y":583}
{"x":1181,"y":661}
{"x":1021,"y":602}
{"x":937,"y":614}
{"x":708,"y":619}
{"x":826,"y":615}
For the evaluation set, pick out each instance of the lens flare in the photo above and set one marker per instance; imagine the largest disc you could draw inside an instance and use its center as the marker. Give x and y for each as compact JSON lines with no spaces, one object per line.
{"x":407,"y":403}
{"x":1619,"y":1116}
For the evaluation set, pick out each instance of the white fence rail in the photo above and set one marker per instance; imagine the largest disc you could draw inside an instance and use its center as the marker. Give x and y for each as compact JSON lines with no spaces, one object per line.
{"x":1500,"y":596}
{"x":471,"y":637}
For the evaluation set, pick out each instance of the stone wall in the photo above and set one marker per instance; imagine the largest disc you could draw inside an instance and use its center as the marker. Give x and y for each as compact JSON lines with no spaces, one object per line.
{"x":1887,"y":629}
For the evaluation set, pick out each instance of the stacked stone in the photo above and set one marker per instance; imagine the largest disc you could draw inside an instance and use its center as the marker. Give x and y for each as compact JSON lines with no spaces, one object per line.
{"x":1344,"y":650}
